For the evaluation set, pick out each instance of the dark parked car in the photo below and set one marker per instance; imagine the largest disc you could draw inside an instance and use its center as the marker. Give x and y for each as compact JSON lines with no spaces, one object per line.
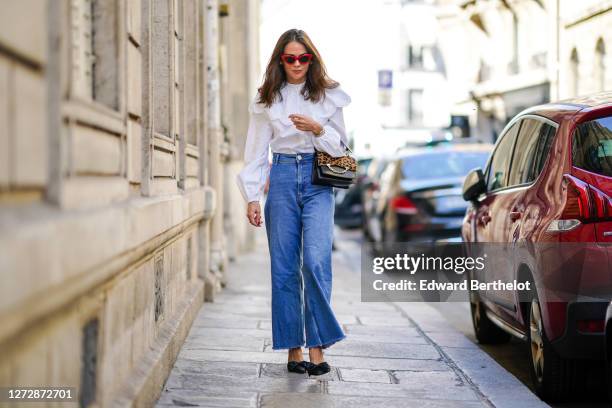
{"x":370,"y":194}
{"x":548,"y":181}
{"x":348,"y":211}
{"x":420,"y":193}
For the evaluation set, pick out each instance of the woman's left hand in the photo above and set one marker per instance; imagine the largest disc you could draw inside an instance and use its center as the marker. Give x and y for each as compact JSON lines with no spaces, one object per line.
{"x":305,"y":123}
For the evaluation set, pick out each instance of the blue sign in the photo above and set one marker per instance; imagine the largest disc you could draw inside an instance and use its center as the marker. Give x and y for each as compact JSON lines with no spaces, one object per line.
{"x":385,"y":79}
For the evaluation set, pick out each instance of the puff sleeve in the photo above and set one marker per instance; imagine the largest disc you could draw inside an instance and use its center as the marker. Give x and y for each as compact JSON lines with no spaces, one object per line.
{"x":252,"y":178}
{"x":335,"y":134}
{"x":334,"y":139}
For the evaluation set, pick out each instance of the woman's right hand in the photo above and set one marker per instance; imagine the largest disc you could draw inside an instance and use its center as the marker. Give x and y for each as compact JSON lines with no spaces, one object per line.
{"x":254,"y":213}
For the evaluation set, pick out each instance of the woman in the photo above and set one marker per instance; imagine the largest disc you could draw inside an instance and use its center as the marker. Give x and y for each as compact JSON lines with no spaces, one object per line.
{"x":298,"y":108}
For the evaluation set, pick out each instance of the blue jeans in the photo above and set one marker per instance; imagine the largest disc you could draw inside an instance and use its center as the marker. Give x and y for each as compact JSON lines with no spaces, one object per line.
{"x":299,"y":220}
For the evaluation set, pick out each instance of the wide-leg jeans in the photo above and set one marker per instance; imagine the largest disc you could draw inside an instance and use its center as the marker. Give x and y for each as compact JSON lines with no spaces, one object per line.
{"x":299,"y":218}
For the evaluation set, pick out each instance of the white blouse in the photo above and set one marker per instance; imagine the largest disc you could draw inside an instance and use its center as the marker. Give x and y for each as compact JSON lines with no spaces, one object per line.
{"x":271,"y":127}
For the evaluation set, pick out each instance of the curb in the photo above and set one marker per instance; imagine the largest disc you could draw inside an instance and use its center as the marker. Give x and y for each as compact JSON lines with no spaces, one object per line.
{"x":495,"y":384}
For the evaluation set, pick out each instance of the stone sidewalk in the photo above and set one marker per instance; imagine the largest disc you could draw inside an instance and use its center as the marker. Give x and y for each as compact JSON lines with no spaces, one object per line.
{"x":395,"y":354}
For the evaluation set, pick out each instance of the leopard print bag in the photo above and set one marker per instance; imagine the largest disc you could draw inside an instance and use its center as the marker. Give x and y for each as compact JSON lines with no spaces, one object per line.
{"x":338,"y":172}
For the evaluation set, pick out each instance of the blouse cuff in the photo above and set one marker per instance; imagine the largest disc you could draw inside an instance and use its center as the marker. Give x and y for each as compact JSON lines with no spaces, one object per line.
{"x":330,"y":142}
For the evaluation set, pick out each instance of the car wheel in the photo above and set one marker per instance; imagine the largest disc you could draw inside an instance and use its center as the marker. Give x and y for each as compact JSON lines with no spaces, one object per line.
{"x":609,"y":376}
{"x":485,"y":330}
{"x":554,"y":378}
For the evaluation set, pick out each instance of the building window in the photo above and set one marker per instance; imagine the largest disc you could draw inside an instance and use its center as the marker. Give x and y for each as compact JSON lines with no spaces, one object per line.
{"x":514,"y":65}
{"x":415,"y":57}
{"x":161,"y":58}
{"x":94,"y":51}
{"x":83,"y":58}
{"x":415,"y":107}
{"x":89,"y":362}
{"x":178,"y":66}
{"x":600,"y":65}
{"x":574,"y":73}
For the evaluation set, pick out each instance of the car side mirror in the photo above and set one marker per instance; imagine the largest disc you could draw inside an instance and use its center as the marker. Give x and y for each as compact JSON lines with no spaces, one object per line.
{"x":474,"y":185}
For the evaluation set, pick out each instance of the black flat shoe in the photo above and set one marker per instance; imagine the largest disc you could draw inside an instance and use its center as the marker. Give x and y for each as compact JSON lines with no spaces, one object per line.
{"x":296,"y":367}
{"x":318,"y":369}
{"x":307,"y":365}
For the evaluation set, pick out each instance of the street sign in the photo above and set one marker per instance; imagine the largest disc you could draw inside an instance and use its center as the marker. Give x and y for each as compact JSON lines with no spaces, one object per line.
{"x":385,"y":79}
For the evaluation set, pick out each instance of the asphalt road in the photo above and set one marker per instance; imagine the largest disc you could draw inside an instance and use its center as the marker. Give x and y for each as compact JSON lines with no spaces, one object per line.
{"x":512,"y":356}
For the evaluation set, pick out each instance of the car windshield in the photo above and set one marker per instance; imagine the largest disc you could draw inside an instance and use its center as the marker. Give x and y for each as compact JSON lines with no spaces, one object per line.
{"x":442,"y":164}
{"x":592,"y":147}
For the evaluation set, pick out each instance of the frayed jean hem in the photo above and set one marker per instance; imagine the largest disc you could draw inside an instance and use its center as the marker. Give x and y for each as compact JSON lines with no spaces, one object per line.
{"x":323,"y":346}
{"x":327,"y":345}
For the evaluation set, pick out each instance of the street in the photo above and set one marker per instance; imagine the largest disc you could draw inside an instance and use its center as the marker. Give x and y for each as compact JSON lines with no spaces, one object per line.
{"x":395,"y":354}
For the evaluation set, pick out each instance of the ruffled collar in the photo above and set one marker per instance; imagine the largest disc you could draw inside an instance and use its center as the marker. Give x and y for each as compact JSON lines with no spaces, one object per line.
{"x":295,"y":86}
{"x":321,"y":111}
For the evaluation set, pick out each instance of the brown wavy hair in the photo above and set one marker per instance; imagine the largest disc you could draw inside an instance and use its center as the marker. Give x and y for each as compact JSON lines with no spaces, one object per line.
{"x":317,"y":79}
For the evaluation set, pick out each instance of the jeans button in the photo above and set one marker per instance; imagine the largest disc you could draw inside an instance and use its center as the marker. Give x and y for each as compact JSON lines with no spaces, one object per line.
{"x":299,"y":157}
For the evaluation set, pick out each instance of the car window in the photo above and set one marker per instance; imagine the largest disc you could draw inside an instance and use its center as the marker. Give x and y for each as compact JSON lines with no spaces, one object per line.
{"x":376,"y":168}
{"x":545,"y":140}
{"x":363,"y":165}
{"x":498,"y":169}
{"x":442,"y":164}
{"x":592,"y":146}
{"x":532,"y":146}
{"x":386,"y":178}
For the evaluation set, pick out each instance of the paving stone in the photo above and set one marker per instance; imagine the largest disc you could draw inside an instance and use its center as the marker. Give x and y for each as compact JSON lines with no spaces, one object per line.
{"x":397,"y":321}
{"x":417,"y":390}
{"x":346,"y":318}
{"x":361,"y":375}
{"x":342,"y":401}
{"x":366,"y":309}
{"x":265,"y":324}
{"x":186,"y":398}
{"x":223,"y":383}
{"x":382,"y":330}
{"x":226,"y":323}
{"x":243,"y":299}
{"x":224,"y":314}
{"x":244,"y":343}
{"x":227,"y":332}
{"x":280,"y":371}
{"x":221,"y":307}
{"x":451,"y":339}
{"x":234,"y":356}
{"x":382,"y":338}
{"x":439,"y":378}
{"x":239,"y":370}
{"x":384,"y":350}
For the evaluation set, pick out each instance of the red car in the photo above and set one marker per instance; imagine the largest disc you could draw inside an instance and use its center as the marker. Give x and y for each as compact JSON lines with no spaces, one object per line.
{"x":548,"y":181}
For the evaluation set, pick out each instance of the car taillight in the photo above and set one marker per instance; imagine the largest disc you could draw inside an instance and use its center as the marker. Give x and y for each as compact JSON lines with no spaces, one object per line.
{"x":602,"y":204}
{"x":403,"y":205}
{"x":591,"y":326}
{"x":584,"y":203}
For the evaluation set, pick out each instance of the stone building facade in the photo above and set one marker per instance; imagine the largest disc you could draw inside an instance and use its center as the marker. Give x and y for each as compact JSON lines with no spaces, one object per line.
{"x":506,"y":55}
{"x":112,"y":163}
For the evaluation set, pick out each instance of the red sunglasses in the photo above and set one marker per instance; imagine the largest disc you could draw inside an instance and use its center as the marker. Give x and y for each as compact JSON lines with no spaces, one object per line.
{"x":290,"y":58}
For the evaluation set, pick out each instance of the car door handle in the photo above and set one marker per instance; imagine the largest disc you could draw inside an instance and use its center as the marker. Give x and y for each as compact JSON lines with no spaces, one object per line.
{"x":515,"y":215}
